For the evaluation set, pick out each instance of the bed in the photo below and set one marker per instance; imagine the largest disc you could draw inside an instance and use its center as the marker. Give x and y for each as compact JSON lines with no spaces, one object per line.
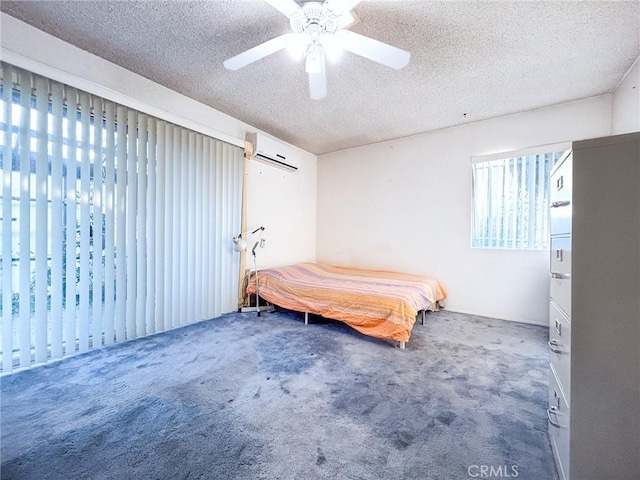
{"x":376,"y":303}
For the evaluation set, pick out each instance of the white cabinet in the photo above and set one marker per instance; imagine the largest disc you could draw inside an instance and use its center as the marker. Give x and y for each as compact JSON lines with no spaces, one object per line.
{"x":594,"y":310}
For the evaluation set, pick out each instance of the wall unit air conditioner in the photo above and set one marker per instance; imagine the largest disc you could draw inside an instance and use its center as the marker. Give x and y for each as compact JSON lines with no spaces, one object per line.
{"x":271,"y":152}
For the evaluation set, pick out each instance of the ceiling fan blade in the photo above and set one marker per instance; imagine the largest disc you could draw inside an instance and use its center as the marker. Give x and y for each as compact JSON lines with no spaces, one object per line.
{"x":286,"y":7}
{"x":338,"y":7}
{"x":346,"y":20}
{"x":375,"y":50}
{"x":318,"y":83}
{"x":258,"y":52}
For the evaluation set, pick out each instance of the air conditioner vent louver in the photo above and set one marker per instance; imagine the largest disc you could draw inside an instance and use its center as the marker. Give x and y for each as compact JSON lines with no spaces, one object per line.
{"x":271,"y":152}
{"x":279,"y":162}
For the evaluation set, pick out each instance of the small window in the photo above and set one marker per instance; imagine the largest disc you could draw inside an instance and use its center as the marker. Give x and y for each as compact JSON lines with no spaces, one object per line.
{"x":511,"y":201}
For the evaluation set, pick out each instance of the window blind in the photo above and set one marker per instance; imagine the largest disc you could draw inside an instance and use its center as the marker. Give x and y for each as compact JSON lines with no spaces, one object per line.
{"x":511,"y":202}
{"x":115,"y":224}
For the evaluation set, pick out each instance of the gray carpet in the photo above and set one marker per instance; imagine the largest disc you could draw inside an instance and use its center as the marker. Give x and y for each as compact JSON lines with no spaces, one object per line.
{"x":270,"y":398}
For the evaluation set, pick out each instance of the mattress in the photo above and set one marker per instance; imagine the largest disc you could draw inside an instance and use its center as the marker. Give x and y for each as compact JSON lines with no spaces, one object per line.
{"x":377,"y":303}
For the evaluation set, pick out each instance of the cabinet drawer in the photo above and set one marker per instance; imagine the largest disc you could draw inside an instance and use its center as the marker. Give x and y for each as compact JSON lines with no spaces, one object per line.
{"x":558,"y":416}
{"x":560,"y":198}
{"x":561,"y":255}
{"x":560,"y":291}
{"x":560,"y":347}
{"x":560,"y":219}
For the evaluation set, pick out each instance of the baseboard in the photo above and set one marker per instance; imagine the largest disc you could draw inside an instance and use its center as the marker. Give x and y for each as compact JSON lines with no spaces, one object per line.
{"x":544,"y":323}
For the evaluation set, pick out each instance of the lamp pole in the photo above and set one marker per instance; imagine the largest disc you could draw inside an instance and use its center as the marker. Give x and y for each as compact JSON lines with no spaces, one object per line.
{"x":241,"y":246}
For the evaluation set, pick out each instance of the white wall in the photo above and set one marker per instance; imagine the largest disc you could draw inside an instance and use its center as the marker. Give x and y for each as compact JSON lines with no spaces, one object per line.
{"x":406,"y":205}
{"x":625,"y":107}
{"x":285,"y":203}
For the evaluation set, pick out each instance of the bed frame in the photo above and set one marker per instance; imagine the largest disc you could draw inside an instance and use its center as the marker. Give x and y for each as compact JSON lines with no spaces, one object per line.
{"x":401,"y":345}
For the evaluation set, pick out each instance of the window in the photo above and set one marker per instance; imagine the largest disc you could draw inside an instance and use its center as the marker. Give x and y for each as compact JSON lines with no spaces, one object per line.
{"x":114,"y":224}
{"x":510,"y":201}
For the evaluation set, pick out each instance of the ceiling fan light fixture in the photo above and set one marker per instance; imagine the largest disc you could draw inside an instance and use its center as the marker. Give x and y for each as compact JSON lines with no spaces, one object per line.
{"x":297,"y":45}
{"x":318,"y":32}
{"x":314,"y":60}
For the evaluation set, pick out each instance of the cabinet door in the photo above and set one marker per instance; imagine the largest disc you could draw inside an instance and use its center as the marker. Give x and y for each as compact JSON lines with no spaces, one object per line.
{"x":561,"y":256}
{"x":560,"y":347}
{"x":560,"y":292}
{"x":560,"y":197}
{"x":559,"y":428}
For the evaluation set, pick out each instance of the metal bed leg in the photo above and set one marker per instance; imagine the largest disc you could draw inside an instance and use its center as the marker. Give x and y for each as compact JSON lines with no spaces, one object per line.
{"x":423,"y":315}
{"x":306,"y":318}
{"x":402,"y":345}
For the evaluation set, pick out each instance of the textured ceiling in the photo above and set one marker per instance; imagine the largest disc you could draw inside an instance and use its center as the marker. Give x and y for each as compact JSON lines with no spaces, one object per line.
{"x":482,"y":59}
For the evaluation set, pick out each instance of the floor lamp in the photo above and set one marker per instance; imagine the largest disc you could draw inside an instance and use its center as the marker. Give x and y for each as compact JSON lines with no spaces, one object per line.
{"x":240,"y":245}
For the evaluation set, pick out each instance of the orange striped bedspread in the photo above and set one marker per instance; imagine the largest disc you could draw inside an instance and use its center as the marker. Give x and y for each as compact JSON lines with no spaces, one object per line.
{"x":377,"y":303}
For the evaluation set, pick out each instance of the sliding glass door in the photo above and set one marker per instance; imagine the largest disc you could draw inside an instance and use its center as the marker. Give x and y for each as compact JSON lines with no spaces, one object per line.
{"x":115,"y":224}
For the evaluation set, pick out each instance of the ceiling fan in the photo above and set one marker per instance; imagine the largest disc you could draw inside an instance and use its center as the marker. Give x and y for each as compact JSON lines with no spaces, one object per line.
{"x":319,"y":31}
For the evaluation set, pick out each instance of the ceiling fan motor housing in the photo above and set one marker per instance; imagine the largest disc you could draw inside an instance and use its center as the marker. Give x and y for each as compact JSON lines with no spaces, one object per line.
{"x":314,"y":18}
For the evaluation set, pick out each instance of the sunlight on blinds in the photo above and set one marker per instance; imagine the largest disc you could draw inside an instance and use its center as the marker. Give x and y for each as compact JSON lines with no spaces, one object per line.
{"x":114,"y":225}
{"x":511,"y":202}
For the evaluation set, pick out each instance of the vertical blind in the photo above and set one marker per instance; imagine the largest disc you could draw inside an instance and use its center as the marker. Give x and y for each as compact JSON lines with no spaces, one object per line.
{"x":511,"y":202}
{"x":114,"y":224}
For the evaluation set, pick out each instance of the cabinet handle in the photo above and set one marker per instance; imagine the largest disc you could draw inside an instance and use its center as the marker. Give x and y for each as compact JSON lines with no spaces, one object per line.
{"x":560,"y":276}
{"x":553,"y":410}
{"x":553,"y":346}
{"x":561,"y":203}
